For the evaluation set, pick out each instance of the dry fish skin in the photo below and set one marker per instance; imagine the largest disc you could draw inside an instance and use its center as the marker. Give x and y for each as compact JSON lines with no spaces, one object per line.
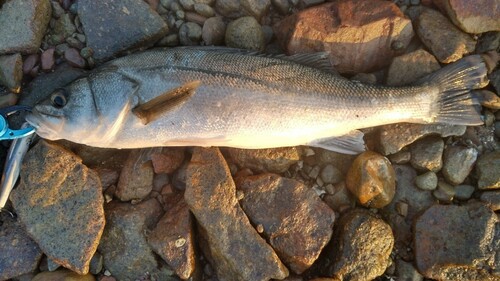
{"x":245,"y":100}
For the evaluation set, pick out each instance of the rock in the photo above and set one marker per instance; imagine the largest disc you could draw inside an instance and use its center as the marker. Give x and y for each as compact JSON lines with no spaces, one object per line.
{"x":124,"y":246}
{"x":371,"y":179}
{"x":173,"y":239}
{"x":362,"y":246}
{"x":189,"y":34}
{"x":406,"y":271}
{"x":456,"y":242}
{"x":75,"y":43}
{"x":282,"y":6}
{"x":11,"y":71}
{"x":445,"y":192}
{"x":167,"y":159}
{"x":115,"y":26}
{"x":62,"y":275}
{"x":204,"y":10}
{"x":187,"y":4}
{"x":27,"y":22}
{"x":464,"y":191}
{"x":211,"y":196}
{"x":274,"y":160}
{"x":357,"y":41}
{"x":170,"y":40}
{"x":30,"y":62}
{"x":239,"y":8}
{"x":330,"y":174}
{"x":487,"y":171}
{"x":339,"y":199}
{"x":488,"y":41}
{"x":495,"y":80}
{"x":488,"y":99}
{"x":61,"y":211}
{"x":96,"y":263}
{"x":410,"y":67}
{"x":245,"y":33}
{"x":107,"y":177}
{"x":472,"y":17}
{"x":443,"y":39}
{"x":426,"y":154}
{"x":213,"y":32}
{"x":64,"y":26}
{"x":136,"y":177}
{"x":492,"y":199}
{"x":427,"y":181}
{"x":458,"y":162}
{"x":47,"y":59}
{"x":295,"y":221}
{"x":20,"y":254}
{"x":57,"y":10}
{"x":401,"y":157}
{"x":72,"y":56}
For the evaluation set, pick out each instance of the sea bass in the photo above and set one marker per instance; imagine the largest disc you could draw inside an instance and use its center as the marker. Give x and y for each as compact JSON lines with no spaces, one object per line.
{"x":209,"y":96}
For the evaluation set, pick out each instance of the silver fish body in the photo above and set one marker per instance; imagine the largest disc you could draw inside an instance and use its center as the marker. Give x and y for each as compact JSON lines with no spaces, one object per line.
{"x":247,"y":101}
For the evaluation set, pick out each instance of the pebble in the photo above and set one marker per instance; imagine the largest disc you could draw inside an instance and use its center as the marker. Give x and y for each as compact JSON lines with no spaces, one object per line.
{"x":371,"y":179}
{"x":487,"y":170}
{"x":330,"y":174}
{"x":489,"y":118}
{"x":445,"y":192}
{"x":86,"y":52}
{"x":30,"y":62}
{"x":61,"y":48}
{"x":187,"y":4}
{"x":204,"y":10}
{"x":245,"y":33}
{"x":401,"y":157}
{"x":256,"y":9}
{"x":406,"y":271}
{"x":268,"y":33}
{"x":489,"y":41}
{"x":338,"y":198}
{"x":492,"y":199}
{"x":426,"y":154}
{"x":136,"y":177}
{"x":11,"y":71}
{"x":64,"y":26}
{"x":175,"y":6}
{"x":427,"y":181}
{"x":495,"y":80}
{"x":410,"y":67}
{"x":57,"y":10}
{"x":62,"y":275}
{"x":464,"y":191}
{"x":458,"y":161}
{"x":75,"y":43}
{"x":107,"y":177}
{"x":170,"y":40}
{"x":368,"y":78}
{"x":47,"y":59}
{"x":196,"y":18}
{"x":488,"y":99}
{"x":96,"y":263}
{"x":167,"y":159}
{"x":72,"y":56}
{"x":274,"y":160}
{"x":180,"y":14}
{"x":456,"y":242}
{"x":471,"y":17}
{"x":27,"y":22}
{"x":207,"y":2}
{"x":214,"y":30}
{"x":47,"y":204}
{"x":189,"y":34}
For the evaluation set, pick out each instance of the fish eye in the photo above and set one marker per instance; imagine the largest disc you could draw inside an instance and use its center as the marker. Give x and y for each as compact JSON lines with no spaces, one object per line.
{"x":59,"y":98}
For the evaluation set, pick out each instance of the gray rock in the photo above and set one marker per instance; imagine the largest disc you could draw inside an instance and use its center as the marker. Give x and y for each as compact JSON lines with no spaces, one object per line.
{"x":208,"y":2}
{"x":368,"y":78}
{"x":426,"y":154}
{"x":187,"y":4}
{"x":410,"y":67}
{"x":330,"y":174}
{"x":136,"y":177}
{"x":64,"y":26}
{"x":406,"y":271}
{"x":464,"y":191}
{"x":394,"y":137}
{"x":457,"y":163}
{"x":256,"y":8}
{"x":204,"y":10}
{"x":96,"y":263}
{"x":61,"y":211}
{"x":445,"y":192}
{"x":27,"y":21}
{"x":456,"y":242}
{"x":211,"y":196}
{"x":57,"y":10}
{"x":11,"y":71}
{"x":228,"y":8}
{"x":180,"y":14}
{"x":63,"y":274}
{"x":239,"y":8}
{"x":487,"y":171}
{"x":214,"y":30}
{"x":427,"y":181}
{"x":401,"y":157}
{"x":123,"y":244}
{"x":115,"y":26}
{"x":245,"y":33}
{"x":489,"y":41}
{"x":20,"y":254}
{"x":340,"y":198}
{"x":190,"y":34}
{"x":274,"y":160}
{"x":170,"y":40}
{"x":283,"y":6}
{"x":492,"y":199}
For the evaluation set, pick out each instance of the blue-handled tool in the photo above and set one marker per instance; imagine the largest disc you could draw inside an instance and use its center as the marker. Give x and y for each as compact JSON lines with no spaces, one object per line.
{"x":7,"y":133}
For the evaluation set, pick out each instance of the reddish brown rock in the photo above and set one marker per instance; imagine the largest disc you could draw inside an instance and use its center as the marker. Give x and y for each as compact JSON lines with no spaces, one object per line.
{"x":233,"y":246}
{"x":295,"y":221}
{"x":472,"y":16}
{"x":274,"y":160}
{"x":30,"y":62}
{"x":136,"y":177}
{"x":47,"y":59}
{"x":173,"y":239}
{"x":167,"y":159}
{"x":73,"y":57}
{"x":358,"y":34}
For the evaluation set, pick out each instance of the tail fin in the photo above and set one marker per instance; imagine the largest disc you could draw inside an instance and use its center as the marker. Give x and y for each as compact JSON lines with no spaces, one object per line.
{"x":455,"y":104}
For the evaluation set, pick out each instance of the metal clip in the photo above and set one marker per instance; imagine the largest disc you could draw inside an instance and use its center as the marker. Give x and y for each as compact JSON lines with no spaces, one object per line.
{"x":8,"y":134}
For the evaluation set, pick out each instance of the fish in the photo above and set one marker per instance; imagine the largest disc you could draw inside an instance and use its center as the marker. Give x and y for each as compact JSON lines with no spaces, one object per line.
{"x":216,"y":96}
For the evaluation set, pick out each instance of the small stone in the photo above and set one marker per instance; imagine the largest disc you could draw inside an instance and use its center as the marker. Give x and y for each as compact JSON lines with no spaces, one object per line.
{"x":488,"y":99}
{"x":464,"y":191}
{"x":208,"y":2}
{"x":11,"y":71}
{"x":63,"y":275}
{"x":330,"y":174}
{"x":339,"y":198}
{"x":426,"y":154}
{"x":86,"y":52}
{"x":489,"y":118}
{"x":47,"y":59}
{"x":57,"y":10}
{"x":456,"y":242}
{"x":61,"y":48}
{"x":167,"y":159}
{"x":268,"y":33}
{"x":406,"y":271}
{"x":427,"y":181}
{"x":274,"y":160}
{"x":136,"y":177}
{"x":401,"y":157}
{"x":445,"y":192}
{"x":170,"y":40}
{"x":75,"y":43}
{"x":487,"y":171}
{"x":492,"y":199}
{"x":180,"y":14}
{"x":245,"y":33}
{"x":64,"y":26}
{"x":371,"y":179}
{"x":489,"y":41}
{"x":256,"y":9}
{"x":495,"y":80}
{"x":30,"y":62}
{"x":96,"y":263}
{"x":314,"y":173}
{"x":187,"y":4}
{"x":368,"y":78}
{"x":472,"y":17}
{"x":204,"y":10}
{"x":214,"y":30}
{"x":410,"y":67}
{"x":196,"y":18}
{"x":443,"y":39}
{"x":72,"y":56}
{"x":458,"y":162}
{"x":190,"y":34}
{"x":402,"y":208}
{"x":283,"y":6}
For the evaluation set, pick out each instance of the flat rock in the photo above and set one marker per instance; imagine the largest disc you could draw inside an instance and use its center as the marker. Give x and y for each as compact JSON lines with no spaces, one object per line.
{"x":124,"y":243}
{"x":394,"y":137}
{"x":274,"y":160}
{"x":295,"y":221}
{"x":427,"y":154}
{"x":492,"y":199}
{"x":472,"y":17}
{"x":211,"y":196}
{"x":362,"y":246}
{"x":27,"y":21}
{"x":357,"y":34}
{"x":114,"y":26}
{"x":61,"y":211}
{"x":136,"y":177}
{"x":458,"y":161}
{"x":487,"y":170}
{"x":173,"y":239}
{"x":11,"y":71}
{"x":456,"y":242}
{"x":371,"y":179}
{"x":245,"y":33}
{"x":62,"y":275}
{"x":20,"y":254}
{"x":444,"y":40}
{"x":410,"y":67}
{"x":167,"y":159}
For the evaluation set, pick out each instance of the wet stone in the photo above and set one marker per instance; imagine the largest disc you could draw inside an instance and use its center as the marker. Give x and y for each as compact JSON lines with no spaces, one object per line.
{"x":492,"y":199}
{"x":487,"y":171}
{"x":72,"y":56}
{"x":362,"y":248}
{"x":458,"y":162}
{"x":464,"y":191}
{"x":245,"y":33}
{"x":11,"y":71}
{"x":426,"y":154}
{"x":456,"y":242}
{"x":211,"y":196}
{"x":167,"y":159}
{"x":64,"y":26}
{"x":189,"y":34}
{"x":410,"y":67}
{"x":47,"y":59}
{"x":427,"y":181}
{"x":30,"y":62}
{"x":47,"y":204}
{"x":472,"y":17}
{"x":445,"y":192}
{"x":214,"y":30}
{"x":371,"y":179}
{"x":295,"y":221}
{"x":274,"y":160}
{"x":136,"y":177}
{"x":62,"y":275}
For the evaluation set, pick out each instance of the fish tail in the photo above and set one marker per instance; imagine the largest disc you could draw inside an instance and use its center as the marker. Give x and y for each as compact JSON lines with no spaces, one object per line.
{"x":455,"y":104}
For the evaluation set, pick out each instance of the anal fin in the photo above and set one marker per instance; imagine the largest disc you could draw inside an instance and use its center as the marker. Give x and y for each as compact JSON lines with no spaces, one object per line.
{"x":351,"y":143}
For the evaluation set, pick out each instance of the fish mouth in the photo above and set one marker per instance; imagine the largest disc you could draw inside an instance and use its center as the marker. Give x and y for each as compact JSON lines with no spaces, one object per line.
{"x":46,"y":124}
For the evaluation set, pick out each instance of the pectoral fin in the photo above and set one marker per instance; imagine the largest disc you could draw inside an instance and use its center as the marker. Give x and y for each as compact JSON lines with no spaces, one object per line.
{"x":150,"y":110}
{"x":352,"y":143}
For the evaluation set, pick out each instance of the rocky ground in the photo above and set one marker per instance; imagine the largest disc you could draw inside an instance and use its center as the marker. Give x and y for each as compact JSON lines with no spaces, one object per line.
{"x":421,"y":204}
